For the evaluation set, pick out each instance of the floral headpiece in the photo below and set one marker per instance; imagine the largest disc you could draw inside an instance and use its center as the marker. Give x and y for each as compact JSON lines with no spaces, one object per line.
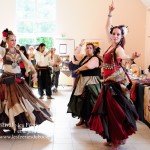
{"x":5,"y":34}
{"x":122,"y":27}
{"x":125,"y":30}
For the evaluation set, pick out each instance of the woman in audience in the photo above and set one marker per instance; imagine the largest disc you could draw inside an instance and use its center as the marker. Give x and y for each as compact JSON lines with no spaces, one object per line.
{"x":25,"y":74}
{"x":31,"y":57}
{"x":114,"y":116}
{"x":87,"y":88}
{"x":19,"y":107}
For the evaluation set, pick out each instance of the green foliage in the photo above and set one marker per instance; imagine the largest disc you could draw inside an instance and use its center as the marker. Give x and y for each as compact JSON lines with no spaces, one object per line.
{"x":47,"y":40}
{"x":35,"y":20}
{"x":24,"y":41}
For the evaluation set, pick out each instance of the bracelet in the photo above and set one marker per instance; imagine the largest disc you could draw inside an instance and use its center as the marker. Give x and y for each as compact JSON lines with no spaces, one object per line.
{"x":109,"y":15}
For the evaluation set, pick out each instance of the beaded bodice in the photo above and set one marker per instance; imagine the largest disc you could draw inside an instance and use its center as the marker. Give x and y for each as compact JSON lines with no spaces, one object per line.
{"x":9,"y":58}
{"x":110,"y":65}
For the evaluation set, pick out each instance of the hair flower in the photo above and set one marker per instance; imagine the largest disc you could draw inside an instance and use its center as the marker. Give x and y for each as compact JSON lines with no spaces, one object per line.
{"x":125,"y":30}
{"x":4,"y":34}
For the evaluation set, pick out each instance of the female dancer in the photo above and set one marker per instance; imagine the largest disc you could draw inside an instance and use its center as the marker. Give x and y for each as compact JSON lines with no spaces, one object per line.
{"x":87,"y":88}
{"x":19,"y":107}
{"x":114,"y":116}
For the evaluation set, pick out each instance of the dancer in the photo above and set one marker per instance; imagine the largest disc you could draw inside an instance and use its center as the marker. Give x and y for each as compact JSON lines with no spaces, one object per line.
{"x":87,"y":88}
{"x":21,"y":64}
{"x":114,"y":115}
{"x":19,"y":107}
{"x":55,"y":62}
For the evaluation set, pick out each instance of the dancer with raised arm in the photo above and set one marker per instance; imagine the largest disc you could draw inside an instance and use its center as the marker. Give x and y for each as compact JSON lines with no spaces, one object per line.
{"x":114,"y":115}
{"x":87,"y":87}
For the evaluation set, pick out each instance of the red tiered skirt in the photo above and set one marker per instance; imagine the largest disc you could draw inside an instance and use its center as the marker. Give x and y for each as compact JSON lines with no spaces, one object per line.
{"x":113,"y":116}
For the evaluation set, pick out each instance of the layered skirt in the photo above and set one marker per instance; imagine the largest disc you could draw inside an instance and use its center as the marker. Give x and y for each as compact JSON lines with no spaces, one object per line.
{"x":114,"y":115}
{"x":19,"y":108}
{"x":83,"y":97}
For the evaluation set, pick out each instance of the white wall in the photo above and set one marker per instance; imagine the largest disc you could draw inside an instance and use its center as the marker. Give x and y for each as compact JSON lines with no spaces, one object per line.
{"x":86,"y":19}
{"x":78,"y":19}
{"x":147,"y":40}
{"x":7,"y":15}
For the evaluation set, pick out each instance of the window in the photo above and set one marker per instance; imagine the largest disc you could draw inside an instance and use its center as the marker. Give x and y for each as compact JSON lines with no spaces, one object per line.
{"x":35,"y":21}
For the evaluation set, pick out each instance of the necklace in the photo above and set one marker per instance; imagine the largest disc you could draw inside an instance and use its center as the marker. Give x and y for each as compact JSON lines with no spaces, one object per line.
{"x":13,"y":55}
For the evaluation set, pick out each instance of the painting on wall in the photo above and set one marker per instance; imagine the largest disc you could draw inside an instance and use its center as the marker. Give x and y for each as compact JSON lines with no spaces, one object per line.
{"x":62,"y":48}
{"x":95,"y":43}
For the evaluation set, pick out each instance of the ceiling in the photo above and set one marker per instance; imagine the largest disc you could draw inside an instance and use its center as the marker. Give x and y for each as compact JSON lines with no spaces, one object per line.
{"x":146,"y":3}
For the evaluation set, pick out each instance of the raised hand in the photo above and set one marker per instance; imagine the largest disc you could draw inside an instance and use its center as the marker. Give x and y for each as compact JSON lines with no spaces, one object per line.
{"x":82,"y":42}
{"x":111,"y":7}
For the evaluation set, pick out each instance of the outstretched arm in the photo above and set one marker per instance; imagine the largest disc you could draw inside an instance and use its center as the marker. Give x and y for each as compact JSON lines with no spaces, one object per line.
{"x":121,"y":54}
{"x":91,"y":64}
{"x":109,"y":20}
{"x":78,"y":48}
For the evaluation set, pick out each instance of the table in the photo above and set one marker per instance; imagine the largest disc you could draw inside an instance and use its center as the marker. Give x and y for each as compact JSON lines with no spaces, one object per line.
{"x":142,"y":100}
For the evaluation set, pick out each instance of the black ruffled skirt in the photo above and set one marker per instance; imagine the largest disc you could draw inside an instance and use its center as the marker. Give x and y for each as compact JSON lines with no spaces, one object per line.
{"x":82,"y":105}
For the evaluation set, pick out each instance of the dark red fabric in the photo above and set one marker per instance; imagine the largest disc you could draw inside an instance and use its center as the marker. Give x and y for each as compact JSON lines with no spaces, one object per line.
{"x":108,"y":58}
{"x":19,"y":80}
{"x":96,"y":124}
{"x":133,"y":92}
{"x":21,"y":65}
{"x":2,"y":92}
{"x":118,"y":129}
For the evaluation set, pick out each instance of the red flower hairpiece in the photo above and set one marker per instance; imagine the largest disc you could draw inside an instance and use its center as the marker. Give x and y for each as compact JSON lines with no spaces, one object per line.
{"x":5,"y":33}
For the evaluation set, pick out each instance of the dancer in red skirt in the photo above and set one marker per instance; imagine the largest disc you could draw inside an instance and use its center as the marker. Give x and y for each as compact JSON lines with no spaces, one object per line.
{"x":114,"y":115}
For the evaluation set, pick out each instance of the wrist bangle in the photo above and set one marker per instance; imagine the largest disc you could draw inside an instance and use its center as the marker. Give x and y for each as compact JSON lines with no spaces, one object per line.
{"x":109,"y":15}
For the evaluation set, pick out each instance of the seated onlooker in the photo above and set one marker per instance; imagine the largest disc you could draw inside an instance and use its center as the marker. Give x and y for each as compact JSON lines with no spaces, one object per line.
{"x":132,"y":68}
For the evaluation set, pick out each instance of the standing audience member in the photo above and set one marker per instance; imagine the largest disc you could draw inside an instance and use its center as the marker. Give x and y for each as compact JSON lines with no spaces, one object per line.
{"x":31,"y":53}
{"x":44,"y":73}
{"x":19,"y":107}
{"x":114,"y":116}
{"x":55,"y":61}
{"x":87,"y":88}
{"x":24,"y":72}
{"x":18,"y":47}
